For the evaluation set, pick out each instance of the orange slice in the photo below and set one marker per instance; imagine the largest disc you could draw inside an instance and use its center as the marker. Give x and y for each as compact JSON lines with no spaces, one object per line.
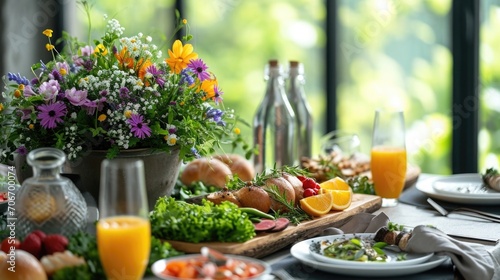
{"x":336,"y":183}
{"x":317,"y":205}
{"x":341,"y":199}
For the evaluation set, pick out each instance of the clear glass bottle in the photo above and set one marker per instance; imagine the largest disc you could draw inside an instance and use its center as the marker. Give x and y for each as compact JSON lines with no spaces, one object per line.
{"x":303,"y":118}
{"x":274,"y":124}
{"x":47,"y":201}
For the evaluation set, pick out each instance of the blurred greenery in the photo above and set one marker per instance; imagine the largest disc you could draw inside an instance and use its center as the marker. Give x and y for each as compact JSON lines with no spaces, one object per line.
{"x":392,"y":54}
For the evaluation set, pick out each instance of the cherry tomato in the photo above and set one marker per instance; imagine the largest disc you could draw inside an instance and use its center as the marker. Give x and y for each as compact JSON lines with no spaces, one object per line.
{"x":309,"y":192}
{"x":7,"y":243}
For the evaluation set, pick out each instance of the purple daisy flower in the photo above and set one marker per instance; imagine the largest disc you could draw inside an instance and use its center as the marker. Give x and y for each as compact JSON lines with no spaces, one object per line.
{"x":22,"y":150}
{"x":200,"y":68}
{"x":218,"y":95}
{"x":50,"y":114}
{"x":156,"y":73}
{"x":139,"y":127}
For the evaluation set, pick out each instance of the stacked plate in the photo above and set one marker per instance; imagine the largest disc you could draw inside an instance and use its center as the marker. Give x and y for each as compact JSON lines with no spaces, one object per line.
{"x":306,"y":253}
{"x":459,"y":188}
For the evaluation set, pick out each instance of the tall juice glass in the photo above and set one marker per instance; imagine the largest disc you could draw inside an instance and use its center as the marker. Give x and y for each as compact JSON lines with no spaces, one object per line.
{"x":388,"y":156}
{"x":123,"y":230}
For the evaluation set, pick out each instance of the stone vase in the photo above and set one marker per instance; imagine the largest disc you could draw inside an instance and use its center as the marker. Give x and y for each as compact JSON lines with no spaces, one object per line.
{"x":161,"y":171}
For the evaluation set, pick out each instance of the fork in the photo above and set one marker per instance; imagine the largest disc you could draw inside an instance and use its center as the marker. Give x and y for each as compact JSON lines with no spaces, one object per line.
{"x":465,"y":211}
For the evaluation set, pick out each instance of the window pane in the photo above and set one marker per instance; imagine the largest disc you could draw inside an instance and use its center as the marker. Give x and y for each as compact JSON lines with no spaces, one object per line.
{"x":236,"y":39}
{"x":151,"y":17}
{"x":396,"y":54}
{"x":489,"y":134}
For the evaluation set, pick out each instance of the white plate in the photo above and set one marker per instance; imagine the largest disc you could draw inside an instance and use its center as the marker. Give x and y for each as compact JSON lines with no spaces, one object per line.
{"x":301,"y":252}
{"x":392,"y":260}
{"x":453,"y":188}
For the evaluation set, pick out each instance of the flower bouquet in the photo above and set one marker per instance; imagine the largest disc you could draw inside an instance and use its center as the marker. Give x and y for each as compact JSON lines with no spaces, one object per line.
{"x":116,"y":94}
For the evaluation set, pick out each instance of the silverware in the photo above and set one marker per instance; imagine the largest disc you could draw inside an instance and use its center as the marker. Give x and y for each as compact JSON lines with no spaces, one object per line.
{"x":465,"y":211}
{"x":282,"y":275}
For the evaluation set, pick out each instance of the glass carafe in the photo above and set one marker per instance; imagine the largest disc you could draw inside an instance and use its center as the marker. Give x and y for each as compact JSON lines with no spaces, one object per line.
{"x":48,"y":201}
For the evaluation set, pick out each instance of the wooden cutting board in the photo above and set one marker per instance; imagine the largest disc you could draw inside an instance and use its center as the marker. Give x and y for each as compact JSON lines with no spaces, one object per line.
{"x":266,"y":243}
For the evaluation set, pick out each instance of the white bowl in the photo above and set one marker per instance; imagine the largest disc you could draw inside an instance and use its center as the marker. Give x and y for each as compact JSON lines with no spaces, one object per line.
{"x":159,"y":266}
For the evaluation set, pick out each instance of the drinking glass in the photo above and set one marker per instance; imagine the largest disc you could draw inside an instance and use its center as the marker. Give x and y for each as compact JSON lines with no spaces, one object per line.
{"x":123,"y":230}
{"x":388,"y":156}
{"x":340,"y":142}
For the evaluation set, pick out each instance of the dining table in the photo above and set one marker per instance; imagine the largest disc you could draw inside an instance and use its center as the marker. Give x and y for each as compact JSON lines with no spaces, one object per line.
{"x":412,"y":210}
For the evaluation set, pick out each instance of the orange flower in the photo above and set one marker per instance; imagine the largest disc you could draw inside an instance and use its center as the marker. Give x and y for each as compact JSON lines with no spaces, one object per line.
{"x":124,"y":59}
{"x":208,"y":86}
{"x":143,"y":67}
{"x":180,"y":56}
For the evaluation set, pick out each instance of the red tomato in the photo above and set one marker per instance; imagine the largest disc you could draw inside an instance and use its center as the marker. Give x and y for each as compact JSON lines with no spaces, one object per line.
{"x":7,"y":243}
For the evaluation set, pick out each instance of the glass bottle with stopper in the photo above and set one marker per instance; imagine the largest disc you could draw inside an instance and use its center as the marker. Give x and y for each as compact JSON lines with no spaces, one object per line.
{"x":274,"y":124}
{"x":298,"y":101}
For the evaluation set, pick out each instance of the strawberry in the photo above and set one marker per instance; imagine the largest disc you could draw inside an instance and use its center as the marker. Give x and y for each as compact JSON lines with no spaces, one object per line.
{"x":309,"y":192}
{"x":54,"y":243}
{"x":309,"y":183}
{"x":40,"y":234}
{"x":33,"y":245}
{"x":9,"y":244}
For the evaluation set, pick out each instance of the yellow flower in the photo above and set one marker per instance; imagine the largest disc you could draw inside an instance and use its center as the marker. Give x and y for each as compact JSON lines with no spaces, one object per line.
{"x":101,"y":49}
{"x":184,"y":21}
{"x":63,"y":71}
{"x":17,"y":93}
{"x":49,"y":47}
{"x":102,"y":117}
{"x":1,"y":107}
{"x":21,"y":87}
{"x":48,"y":32}
{"x":180,"y":56}
{"x":237,"y":131}
{"x":31,"y":126}
{"x":128,"y":114}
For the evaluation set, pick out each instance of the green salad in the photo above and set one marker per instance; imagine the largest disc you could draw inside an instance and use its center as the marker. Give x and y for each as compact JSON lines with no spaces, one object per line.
{"x":355,"y":249}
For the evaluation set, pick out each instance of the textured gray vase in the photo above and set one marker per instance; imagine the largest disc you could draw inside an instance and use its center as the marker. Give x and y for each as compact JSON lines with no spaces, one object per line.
{"x":161,"y":171}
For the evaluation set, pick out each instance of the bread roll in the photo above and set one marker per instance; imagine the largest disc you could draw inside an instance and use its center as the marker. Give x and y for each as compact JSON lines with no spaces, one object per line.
{"x":59,"y":260}
{"x":238,"y":165}
{"x":211,"y":172}
{"x":26,"y":267}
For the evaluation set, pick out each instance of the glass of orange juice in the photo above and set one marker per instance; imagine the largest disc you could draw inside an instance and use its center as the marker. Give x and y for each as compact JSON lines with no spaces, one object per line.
{"x":388,"y":156}
{"x":123,"y":229}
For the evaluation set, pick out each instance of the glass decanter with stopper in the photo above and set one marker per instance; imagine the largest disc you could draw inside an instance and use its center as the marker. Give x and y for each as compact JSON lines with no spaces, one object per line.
{"x":274,"y":124}
{"x":48,"y":201}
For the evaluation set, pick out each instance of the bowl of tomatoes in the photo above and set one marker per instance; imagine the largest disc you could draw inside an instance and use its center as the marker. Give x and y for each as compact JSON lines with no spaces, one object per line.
{"x":201,"y":266}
